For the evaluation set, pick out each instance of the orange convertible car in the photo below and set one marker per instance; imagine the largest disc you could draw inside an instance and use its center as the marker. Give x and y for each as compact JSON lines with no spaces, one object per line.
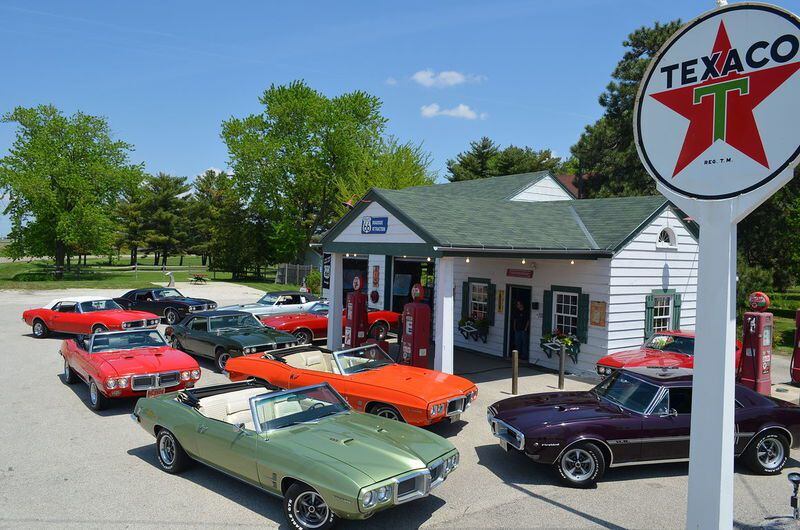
{"x":368,"y":379}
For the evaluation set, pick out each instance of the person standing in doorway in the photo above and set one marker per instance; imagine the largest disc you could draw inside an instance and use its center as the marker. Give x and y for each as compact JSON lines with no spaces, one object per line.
{"x":521,"y":324}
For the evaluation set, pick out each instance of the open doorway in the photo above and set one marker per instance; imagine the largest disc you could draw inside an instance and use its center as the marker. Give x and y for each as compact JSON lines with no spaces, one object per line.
{"x":405,"y":273}
{"x":518,"y":317}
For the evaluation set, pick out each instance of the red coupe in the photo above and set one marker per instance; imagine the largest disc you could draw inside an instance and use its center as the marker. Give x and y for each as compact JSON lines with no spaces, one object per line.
{"x":674,"y":349}
{"x":125,"y":364}
{"x":86,"y":314}
{"x":313,"y":324}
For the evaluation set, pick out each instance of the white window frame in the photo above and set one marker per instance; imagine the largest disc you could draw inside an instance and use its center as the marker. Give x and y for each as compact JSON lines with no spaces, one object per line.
{"x":667,"y":316}
{"x":673,"y":240}
{"x":472,"y":301}
{"x":571,"y":316}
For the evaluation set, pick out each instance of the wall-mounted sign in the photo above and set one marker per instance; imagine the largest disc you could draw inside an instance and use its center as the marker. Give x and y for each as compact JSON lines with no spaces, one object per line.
{"x":374,"y":225}
{"x":597,"y":314}
{"x":501,"y":301}
{"x":520,"y":273}
{"x":326,"y":271}
{"x":717,"y":112}
{"x":376,"y":275}
{"x":374,"y":297}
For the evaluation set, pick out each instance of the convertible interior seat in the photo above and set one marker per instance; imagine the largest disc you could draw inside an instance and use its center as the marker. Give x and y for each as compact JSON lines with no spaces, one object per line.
{"x":233,"y":407}
{"x":312,"y":360}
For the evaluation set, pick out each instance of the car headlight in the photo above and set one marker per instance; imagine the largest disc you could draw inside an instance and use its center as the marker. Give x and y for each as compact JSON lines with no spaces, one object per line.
{"x":111,"y":383}
{"x":122,"y":382}
{"x":437,"y":409}
{"x":185,"y":376}
{"x":368,"y":499}
{"x":212,"y":306}
{"x":195,"y":374}
{"x":377,"y":495}
{"x":153,"y":322}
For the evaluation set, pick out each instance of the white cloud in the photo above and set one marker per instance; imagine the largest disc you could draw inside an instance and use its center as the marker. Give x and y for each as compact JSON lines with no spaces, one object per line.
{"x":459,"y":111}
{"x":391,"y":81}
{"x":445,"y":78}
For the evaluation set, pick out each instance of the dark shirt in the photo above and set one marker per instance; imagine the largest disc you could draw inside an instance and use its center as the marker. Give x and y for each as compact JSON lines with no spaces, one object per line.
{"x":520,"y":319}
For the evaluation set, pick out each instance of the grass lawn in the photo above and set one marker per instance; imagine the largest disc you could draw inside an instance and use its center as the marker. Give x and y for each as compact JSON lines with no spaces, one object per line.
{"x":784,"y":306}
{"x":98,"y":275}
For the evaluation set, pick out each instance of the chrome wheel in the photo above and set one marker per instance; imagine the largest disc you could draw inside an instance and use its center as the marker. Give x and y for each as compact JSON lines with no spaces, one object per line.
{"x":303,"y":337}
{"x":388,"y":413}
{"x":310,"y":509}
{"x":770,"y":453}
{"x":172,"y":316}
{"x":166,"y":450}
{"x":578,"y":464}
{"x":38,"y":329}
{"x":99,"y":329}
{"x":222,"y":360}
{"x":93,"y":393}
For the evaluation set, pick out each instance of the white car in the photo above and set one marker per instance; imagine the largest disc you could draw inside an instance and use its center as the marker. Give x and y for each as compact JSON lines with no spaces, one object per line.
{"x":277,"y":303}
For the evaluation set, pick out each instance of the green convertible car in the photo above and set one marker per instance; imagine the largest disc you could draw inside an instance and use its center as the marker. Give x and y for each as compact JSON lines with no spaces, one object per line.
{"x":303,"y":444}
{"x":222,"y":334}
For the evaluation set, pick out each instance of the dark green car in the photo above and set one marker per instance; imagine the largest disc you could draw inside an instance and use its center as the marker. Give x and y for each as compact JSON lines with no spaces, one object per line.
{"x":220,"y":335}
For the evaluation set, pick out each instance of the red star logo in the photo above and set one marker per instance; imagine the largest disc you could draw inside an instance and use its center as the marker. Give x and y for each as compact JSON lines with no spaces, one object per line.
{"x":721,"y":108}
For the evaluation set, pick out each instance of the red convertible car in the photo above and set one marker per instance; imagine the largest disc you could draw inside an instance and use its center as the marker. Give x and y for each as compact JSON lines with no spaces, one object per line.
{"x":313,"y":324}
{"x":126,"y":364}
{"x":670,"y":349}
{"x":86,"y":314}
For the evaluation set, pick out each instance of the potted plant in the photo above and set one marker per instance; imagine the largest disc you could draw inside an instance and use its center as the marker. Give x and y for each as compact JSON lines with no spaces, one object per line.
{"x":572,"y":346}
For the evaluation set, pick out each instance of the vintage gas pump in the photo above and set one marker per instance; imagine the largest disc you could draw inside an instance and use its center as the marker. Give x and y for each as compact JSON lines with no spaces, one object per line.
{"x":795,"y":366}
{"x":355,"y":317}
{"x":416,"y":333}
{"x":757,"y":345}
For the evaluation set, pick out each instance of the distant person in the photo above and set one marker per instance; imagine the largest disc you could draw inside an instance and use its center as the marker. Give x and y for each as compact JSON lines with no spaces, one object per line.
{"x":521,"y":324}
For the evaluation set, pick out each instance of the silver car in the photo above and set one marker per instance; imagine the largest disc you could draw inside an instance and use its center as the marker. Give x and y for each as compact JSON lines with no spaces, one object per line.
{"x":277,"y":302}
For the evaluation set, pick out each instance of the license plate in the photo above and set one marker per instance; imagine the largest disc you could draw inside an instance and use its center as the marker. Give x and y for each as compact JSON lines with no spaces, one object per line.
{"x":455,"y":417}
{"x":153,"y":392}
{"x":504,"y":445}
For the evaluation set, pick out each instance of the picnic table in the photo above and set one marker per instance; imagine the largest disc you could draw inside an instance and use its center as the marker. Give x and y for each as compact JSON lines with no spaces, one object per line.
{"x":198,"y":279}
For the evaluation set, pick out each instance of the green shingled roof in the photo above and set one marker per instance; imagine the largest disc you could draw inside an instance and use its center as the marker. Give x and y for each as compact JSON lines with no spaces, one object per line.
{"x":479,"y":214}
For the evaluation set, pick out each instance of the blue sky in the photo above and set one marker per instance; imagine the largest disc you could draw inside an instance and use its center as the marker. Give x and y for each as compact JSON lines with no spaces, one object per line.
{"x":166,"y":74}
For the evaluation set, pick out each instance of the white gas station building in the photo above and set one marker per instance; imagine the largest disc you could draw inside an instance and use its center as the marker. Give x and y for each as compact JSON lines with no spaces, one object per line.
{"x":607,"y":271}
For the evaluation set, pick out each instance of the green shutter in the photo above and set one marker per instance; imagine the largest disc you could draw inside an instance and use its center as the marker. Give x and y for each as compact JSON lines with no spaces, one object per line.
{"x":583,"y":318}
{"x":676,"y":311}
{"x":465,"y":300}
{"x":649,"y":301}
{"x":547,"y":313}
{"x":492,"y":290}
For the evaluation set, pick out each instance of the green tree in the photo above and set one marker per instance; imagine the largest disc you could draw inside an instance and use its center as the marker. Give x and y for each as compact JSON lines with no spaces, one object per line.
{"x":606,"y":154}
{"x":62,"y":177}
{"x":167,"y":228}
{"x":210,"y":192}
{"x":485,"y":158}
{"x":132,"y":221}
{"x":292,"y":160}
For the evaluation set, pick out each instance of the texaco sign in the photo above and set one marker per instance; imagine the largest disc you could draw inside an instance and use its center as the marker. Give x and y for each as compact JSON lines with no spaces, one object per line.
{"x":718,"y":111}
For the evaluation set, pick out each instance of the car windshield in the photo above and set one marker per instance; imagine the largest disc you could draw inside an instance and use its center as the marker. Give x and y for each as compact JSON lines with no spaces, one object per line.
{"x":671,"y":343}
{"x":268,"y":299}
{"x":627,"y":391}
{"x":300,"y":406}
{"x":362,"y":359}
{"x":167,"y":293}
{"x":129,"y":340}
{"x":319,"y":309}
{"x":98,"y":305}
{"x":233,"y":322}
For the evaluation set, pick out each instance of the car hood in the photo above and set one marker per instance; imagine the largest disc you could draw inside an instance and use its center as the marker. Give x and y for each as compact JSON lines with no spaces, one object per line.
{"x":250,"y":308}
{"x":289,"y":318}
{"x":647,"y":357}
{"x":257,"y":337}
{"x":123,"y":315}
{"x":147,"y":360}
{"x":373,"y":446}
{"x":428,"y":385}
{"x":187,"y":300}
{"x":553,"y":408}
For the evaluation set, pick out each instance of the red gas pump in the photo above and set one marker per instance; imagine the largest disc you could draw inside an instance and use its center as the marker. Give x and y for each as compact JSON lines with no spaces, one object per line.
{"x":795,"y":367}
{"x":416,"y":336}
{"x":756,"y":362}
{"x":355,"y":317}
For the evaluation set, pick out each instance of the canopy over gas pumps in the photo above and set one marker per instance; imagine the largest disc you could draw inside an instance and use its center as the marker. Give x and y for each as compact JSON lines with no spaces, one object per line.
{"x":711,"y":154}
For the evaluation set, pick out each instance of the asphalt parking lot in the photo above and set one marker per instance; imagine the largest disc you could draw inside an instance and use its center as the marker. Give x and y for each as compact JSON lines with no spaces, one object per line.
{"x":61,"y":464}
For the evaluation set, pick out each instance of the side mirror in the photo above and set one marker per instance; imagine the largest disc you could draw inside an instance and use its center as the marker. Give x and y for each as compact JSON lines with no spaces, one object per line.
{"x":239,"y":427}
{"x":669,"y":414}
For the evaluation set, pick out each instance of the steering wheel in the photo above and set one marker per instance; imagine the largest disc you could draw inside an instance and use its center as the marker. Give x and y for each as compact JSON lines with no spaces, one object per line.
{"x":316,"y":405}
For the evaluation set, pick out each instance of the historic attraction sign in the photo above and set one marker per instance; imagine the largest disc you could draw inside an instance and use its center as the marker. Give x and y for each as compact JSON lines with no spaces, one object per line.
{"x":718,"y":109}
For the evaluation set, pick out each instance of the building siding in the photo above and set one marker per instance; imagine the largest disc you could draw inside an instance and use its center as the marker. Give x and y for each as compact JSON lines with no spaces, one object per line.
{"x":396,"y":232}
{"x":639,"y":268}
{"x":547,"y":189}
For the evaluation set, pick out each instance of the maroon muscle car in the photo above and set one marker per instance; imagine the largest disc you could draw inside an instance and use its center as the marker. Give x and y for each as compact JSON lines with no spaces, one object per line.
{"x":636,"y":416}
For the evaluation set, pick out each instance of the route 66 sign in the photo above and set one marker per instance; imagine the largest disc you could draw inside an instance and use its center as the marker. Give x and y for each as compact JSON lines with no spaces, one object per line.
{"x":717,"y":111}
{"x":374,"y":225}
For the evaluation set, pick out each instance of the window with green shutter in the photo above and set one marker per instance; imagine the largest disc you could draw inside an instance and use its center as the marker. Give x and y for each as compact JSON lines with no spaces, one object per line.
{"x":566,"y":309}
{"x":478,"y":299}
{"x":662,"y":311}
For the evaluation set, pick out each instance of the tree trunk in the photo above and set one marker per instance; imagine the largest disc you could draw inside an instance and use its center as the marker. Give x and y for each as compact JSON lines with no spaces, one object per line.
{"x":155,"y":259}
{"x":60,"y":253}
{"x":204,"y":258}
{"x":181,"y":263}
{"x":164,"y":260}
{"x":134,"y":256}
